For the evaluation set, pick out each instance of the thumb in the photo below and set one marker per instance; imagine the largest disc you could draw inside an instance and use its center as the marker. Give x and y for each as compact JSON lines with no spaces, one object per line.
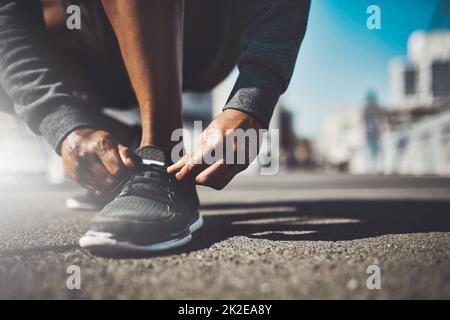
{"x":177,"y":166}
{"x":126,"y":156}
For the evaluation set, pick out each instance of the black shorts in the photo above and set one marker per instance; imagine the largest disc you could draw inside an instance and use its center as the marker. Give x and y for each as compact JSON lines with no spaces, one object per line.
{"x":211,"y":48}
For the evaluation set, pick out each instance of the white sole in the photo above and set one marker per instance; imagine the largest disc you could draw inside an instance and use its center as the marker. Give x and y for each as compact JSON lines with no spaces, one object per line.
{"x":100,"y":241}
{"x":73,"y":204}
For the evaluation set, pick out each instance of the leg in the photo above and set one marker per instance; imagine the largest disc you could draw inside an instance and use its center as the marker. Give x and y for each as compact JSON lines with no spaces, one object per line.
{"x":150,"y":36}
{"x":153,"y":211}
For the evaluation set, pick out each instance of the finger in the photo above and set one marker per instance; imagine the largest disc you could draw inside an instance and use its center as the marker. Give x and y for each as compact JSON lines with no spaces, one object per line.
{"x":177,"y":166}
{"x":88,"y":187}
{"x":190,"y":171}
{"x":112,"y":161}
{"x":194,"y":165}
{"x":126,"y":156}
{"x":184,"y":166}
{"x":88,"y":181}
{"x":211,"y":175}
{"x":101,"y":176}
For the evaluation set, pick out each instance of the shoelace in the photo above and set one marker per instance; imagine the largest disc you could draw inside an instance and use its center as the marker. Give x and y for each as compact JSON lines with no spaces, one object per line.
{"x":151,"y":181}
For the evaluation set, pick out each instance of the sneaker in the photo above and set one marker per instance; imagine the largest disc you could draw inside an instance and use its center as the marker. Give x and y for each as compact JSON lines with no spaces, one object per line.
{"x":86,"y":202}
{"x":153,"y":211}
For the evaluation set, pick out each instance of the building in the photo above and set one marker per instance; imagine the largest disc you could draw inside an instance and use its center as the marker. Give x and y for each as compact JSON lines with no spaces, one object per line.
{"x":425,"y":76}
{"x":417,"y":140}
{"x":341,"y":138}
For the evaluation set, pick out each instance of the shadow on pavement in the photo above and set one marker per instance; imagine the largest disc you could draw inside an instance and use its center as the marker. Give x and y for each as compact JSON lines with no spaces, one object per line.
{"x":331,"y":220}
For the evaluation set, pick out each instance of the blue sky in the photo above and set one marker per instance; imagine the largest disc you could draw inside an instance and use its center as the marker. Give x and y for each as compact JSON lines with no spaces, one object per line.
{"x":341,"y":58}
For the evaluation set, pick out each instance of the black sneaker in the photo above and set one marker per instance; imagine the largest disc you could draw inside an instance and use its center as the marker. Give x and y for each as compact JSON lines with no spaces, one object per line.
{"x":153,"y":211}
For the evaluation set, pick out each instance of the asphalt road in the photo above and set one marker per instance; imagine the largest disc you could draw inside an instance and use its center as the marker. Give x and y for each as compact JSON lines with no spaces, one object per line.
{"x":296,"y":236}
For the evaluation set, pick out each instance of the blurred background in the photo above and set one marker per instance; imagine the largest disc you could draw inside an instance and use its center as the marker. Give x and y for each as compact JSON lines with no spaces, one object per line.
{"x":361,"y":101}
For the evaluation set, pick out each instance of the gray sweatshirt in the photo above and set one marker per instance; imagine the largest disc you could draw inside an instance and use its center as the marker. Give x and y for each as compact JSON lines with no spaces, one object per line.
{"x":34,"y":77}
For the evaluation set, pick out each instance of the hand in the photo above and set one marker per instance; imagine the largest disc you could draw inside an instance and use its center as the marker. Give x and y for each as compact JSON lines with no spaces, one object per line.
{"x":219,"y":136}
{"x":94,"y":160}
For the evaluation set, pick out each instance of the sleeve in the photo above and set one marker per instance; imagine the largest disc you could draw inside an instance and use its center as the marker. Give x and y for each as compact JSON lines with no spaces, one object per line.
{"x":270,"y":42}
{"x":33,"y":75}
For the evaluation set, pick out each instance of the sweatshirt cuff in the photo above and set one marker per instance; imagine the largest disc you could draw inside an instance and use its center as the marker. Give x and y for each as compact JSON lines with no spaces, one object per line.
{"x":56,"y":126}
{"x":257,"y":91}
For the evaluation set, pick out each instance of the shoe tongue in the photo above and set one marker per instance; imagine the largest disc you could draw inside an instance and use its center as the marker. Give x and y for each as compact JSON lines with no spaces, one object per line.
{"x":154,"y":154}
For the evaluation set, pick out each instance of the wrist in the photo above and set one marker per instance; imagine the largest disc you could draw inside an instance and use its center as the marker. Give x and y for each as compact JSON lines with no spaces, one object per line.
{"x":246,"y":118}
{"x":74,"y":137}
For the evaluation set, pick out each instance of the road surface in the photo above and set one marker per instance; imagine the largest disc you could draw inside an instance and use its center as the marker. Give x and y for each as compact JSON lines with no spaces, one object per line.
{"x":292,"y":236}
